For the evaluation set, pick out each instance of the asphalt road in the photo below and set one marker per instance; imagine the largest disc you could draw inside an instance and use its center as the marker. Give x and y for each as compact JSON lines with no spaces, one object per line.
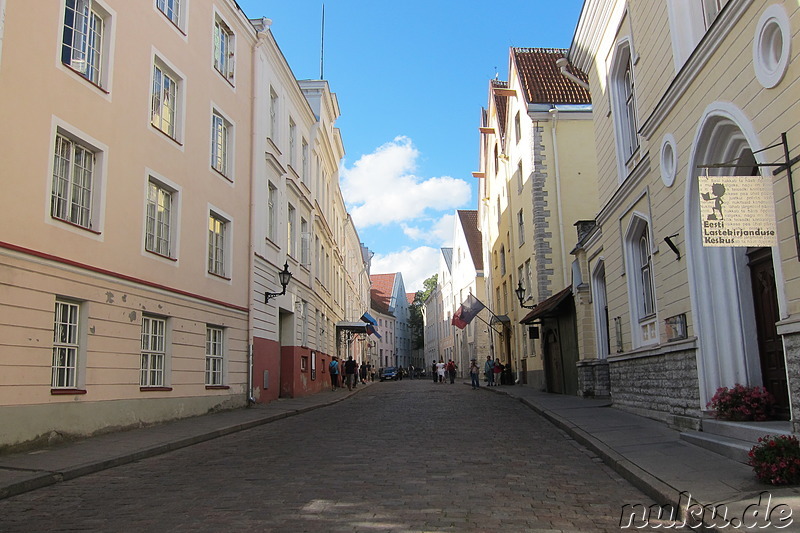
{"x":398,"y":456}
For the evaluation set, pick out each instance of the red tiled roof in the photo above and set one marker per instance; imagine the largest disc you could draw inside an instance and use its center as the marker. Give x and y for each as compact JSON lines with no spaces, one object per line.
{"x":469,"y":221}
{"x":501,"y":103}
{"x":410,"y":296}
{"x":542,"y":80}
{"x":381,"y":291}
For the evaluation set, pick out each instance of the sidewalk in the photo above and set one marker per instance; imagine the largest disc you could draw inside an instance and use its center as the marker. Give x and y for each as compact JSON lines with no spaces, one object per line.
{"x":27,"y":471}
{"x":653,"y":458}
{"x":645,"y":452}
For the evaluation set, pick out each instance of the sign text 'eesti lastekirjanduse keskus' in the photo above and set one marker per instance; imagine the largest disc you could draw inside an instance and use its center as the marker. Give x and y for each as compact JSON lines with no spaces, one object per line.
{"x":737,"y":211}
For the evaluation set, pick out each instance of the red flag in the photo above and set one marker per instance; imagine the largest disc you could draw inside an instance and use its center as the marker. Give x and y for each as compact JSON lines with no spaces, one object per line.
{"x":467,"y":312}
{"x":457,"y":320}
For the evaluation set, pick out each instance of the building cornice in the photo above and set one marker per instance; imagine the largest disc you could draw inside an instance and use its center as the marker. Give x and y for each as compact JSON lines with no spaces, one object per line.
{"x":624,"y":192}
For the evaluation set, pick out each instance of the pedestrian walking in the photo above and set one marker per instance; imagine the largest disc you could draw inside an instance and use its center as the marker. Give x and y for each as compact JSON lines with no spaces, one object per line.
{"x":498,"y":372}
{"x":474,"y":373}
{"x":411,"y":372}
{"x":440,"y":370}
{"x":451,"y":371}
{"x":350,"y":367}
{"x":488,"y":369}
{"x":362,"y":372}
{"x":333,"y":368}
{"x":434,"y":373}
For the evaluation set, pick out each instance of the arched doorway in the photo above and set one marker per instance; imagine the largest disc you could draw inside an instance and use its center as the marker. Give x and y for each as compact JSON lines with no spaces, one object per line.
{"x":720,"y":279}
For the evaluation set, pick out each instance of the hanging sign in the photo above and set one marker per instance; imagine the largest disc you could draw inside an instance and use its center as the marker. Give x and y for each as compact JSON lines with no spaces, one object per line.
{"x":737,"y":211}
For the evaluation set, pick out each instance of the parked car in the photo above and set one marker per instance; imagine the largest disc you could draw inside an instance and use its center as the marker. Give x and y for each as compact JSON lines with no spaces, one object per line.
{"x":390,"y":372}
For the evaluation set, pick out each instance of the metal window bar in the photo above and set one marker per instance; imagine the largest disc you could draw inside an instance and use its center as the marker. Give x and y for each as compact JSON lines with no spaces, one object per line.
{"x":65,"y":345}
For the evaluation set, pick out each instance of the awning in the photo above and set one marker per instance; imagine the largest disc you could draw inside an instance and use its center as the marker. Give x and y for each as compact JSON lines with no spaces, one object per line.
{"x":499,"y":319}
{"x":359,"y":327}
{"x":366,"y":317}
{"x":549,"y":307}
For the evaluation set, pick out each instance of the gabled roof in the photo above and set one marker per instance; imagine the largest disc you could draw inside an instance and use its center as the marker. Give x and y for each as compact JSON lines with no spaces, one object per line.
{"x":410,"y":296}
{"x":501,"y":104}
{"x":469,"y":221}
{"x":381,"y":292}
{"x":542,"y":81}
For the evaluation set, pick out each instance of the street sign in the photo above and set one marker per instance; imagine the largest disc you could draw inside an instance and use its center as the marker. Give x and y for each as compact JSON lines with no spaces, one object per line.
{"x":737,"y":211}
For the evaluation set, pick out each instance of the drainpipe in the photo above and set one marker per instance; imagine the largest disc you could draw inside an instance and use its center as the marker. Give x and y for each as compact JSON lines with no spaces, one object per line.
{"x":562,"y":65}
{"x":554,"y":114}
{"x":261,"y":40}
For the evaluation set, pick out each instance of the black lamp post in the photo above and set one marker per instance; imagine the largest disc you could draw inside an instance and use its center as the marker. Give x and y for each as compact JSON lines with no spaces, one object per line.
{"x":285,"y":277}
{"x":520,"y":292}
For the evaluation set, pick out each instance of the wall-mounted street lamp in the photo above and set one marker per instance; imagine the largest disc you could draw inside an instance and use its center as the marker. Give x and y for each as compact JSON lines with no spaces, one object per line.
{"x":520,"y":292}
{"x":285,"y":277}
{"x":672,"y":246}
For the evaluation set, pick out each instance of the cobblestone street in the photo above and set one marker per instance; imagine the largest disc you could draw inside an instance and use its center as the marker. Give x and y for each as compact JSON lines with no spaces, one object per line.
{"x":398,"y":456}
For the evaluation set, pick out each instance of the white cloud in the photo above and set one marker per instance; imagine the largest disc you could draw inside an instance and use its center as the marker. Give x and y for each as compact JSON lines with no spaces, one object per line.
{"x":381,"y":188}
{"x":416,"y":265}
{"x":439,"y":232}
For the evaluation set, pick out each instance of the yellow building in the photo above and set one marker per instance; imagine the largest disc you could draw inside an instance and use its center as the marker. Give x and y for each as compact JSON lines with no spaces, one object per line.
{"x":538,"y":177}
{"x":682,"y":90}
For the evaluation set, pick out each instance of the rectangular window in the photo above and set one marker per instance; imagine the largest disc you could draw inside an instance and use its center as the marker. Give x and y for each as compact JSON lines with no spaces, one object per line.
{"x":216,"y":245}
{"x":172,"y":9}
{"x":73,"y":172}
{"x":154,"y":337}
{"x":65,"y":345}
{"x":165,"y":100}
{"x":517,"y":128}
{"x":273,"y":115}
{"x":82,"y":44}
{"x":219,"y":143}
{"x":305,"y":246}
{"x":272,"y":212}
{"x":304,"y":317}
{"x":521,"y":227}
{"x":292,"y":142}
{"x":159,"y":220}
{"x":304,"y":162}
{"x":215,"y":355}
{"x":291,"y":226}
{"x":223,"y":49}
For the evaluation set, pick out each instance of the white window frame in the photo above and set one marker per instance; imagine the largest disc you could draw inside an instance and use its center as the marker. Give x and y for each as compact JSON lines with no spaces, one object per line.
{"x":272,"y":211}
{"x":224,"y":41}
{"x":292,"y":142}
{"x":161,"y":220}
{"x":622,"y":86}
{"x":220,"y":239}
{"x":521,"y":226}
{"x":153,"y":367}
{"x":74,"y":184}
{"x":304,"y":161}
{"x":87,"y":51}
{"x":222,"y":142}
{"x":169,"y":98}
{"x":174,"y":11}
{"x":67,"y":345}
{"x":215,"y":356}
{"x":274,"y":112}
{"x":641,"y":282}
{"x":305,"y":245}
{"x":291,"y":230}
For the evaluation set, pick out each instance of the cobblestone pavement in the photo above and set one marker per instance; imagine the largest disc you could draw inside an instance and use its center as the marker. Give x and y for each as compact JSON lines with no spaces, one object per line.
{"x":398,"y":456}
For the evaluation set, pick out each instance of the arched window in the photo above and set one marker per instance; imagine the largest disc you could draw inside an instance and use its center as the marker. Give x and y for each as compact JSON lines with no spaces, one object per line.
{"x":641,"y":286}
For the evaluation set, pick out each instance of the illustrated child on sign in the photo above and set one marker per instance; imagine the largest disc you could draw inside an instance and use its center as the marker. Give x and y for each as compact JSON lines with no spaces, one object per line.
{"x":718,"y":191}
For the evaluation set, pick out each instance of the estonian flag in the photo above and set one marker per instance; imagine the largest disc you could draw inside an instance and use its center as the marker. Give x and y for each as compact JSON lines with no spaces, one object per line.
{"x":467,"y":312}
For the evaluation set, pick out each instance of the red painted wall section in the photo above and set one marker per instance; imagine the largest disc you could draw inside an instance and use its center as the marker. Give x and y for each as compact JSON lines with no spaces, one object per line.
{"x":296,"y":372}
{"x":266,"y":357}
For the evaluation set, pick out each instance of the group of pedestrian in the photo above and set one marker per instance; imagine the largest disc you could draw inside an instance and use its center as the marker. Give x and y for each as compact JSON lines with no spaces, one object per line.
{"x":493,"y":371}
{"x":441,"y":371}
{"x":353,"y":373}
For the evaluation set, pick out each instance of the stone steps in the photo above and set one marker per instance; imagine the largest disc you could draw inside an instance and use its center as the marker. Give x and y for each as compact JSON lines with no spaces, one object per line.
{"x":733,"y":439}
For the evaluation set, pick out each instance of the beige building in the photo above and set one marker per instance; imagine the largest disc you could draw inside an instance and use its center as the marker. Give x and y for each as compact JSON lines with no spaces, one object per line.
{"x":156,"y":183}
{"x":537,"y":178}
{"x":681,"y":90}
{"x":126,"y":214}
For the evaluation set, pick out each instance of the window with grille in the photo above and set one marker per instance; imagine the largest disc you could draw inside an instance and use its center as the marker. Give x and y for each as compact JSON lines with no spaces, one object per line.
{"x":305,"y":245}
{"x":272,"y":212}
{"x":165,"y":94}
{"x":215,"y":355}
{"x":158,"y":234}
{"x":73,"y":182}
{"x":291,"y":230}
{"x":216,"y":245}
{"x":154,"y":335}
{"x":65,"y":345}
{"x":220,"y":129}
{"x":223,"y":49}
{"x":172,"y":10}
{"x":82,"y":46}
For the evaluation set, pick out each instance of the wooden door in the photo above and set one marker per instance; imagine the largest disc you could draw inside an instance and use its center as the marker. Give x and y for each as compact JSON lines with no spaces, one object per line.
{"x":770,"y":345}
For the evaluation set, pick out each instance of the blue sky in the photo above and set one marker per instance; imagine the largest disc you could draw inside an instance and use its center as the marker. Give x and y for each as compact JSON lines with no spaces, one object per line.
{"x":411,"y":78}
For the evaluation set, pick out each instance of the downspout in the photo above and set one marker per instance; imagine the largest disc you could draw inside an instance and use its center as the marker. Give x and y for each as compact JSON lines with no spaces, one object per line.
{"x":261,"y":39}
{"x":554,"y":114}
{"x":562,"y":64}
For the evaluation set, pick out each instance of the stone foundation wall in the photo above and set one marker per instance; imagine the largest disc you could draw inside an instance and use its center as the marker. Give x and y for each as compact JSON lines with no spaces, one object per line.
{"x":658,"y":384}
{"x":791,"y":346}
{"x":593,"y":379}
